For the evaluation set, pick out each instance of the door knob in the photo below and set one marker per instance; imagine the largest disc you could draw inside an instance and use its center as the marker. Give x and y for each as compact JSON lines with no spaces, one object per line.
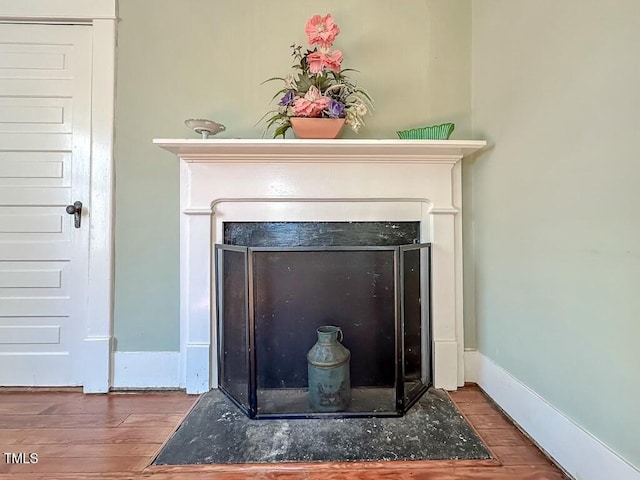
{"x":76,"y":211}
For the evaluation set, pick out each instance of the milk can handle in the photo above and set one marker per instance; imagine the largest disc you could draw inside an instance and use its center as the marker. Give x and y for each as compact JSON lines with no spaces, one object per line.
{"x":340,"y":335}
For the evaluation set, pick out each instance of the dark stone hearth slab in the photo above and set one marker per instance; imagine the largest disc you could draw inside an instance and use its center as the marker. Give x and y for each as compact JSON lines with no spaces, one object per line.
{"x":216,"y":432}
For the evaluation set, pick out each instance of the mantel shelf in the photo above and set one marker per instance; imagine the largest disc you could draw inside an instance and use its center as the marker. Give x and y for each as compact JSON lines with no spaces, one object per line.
{"x":287,"y":150}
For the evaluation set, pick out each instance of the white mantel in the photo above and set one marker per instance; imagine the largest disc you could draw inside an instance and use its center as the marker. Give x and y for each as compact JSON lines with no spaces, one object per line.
{"x":225,"y":180}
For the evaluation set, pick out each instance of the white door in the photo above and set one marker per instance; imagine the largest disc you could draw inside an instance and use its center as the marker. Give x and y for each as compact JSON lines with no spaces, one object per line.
{"x":45,"y":130}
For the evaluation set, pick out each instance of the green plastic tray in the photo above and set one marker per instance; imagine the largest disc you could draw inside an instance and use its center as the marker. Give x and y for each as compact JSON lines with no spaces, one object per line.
{"x":434,"y":132}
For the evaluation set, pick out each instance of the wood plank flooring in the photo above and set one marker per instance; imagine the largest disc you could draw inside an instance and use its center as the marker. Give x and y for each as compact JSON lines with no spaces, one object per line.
{"x":117,"y":436}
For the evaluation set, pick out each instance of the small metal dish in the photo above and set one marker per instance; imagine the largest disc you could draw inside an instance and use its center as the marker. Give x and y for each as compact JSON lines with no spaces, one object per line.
{"x":204,"y":127}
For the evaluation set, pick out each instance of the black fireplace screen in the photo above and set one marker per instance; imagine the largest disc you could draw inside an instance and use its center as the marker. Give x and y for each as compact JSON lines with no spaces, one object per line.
{"x":271,"y":300}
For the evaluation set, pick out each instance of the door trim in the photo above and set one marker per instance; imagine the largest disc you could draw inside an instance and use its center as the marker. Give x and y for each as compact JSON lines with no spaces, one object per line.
{"x":96,"y":350}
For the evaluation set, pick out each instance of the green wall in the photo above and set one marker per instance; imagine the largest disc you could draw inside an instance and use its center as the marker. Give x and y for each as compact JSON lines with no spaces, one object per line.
{"x":207,"y":59}
{"x":555,"y":205}
{"x":551,"y":229}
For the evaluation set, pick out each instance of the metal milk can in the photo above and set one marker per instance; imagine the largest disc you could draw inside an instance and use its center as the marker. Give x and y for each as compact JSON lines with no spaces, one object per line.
{"x":328,"y":365}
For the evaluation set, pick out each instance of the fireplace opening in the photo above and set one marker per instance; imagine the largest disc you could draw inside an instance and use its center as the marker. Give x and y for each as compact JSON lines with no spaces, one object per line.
{"x":278,"y":282}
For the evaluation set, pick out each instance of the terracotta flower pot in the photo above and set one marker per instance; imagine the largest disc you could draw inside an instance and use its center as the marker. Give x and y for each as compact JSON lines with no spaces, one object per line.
{"x":305,"y":127}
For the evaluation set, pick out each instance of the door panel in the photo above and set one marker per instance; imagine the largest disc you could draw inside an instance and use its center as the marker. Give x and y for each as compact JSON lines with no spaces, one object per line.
{"x":35,"y":115}
{"x":20,"y":58}
{"x":42,"y":169}
{"x":44,"y":166}
{"x":23,"y":224}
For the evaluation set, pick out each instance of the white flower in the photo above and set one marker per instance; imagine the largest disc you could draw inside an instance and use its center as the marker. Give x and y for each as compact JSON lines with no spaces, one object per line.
{"x":361,"y":109}
{"x":289,"y":81}
{"x":353,"y":121}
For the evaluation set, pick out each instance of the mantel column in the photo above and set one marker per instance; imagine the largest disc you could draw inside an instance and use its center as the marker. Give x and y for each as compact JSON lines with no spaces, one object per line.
{"x":195,"y":294}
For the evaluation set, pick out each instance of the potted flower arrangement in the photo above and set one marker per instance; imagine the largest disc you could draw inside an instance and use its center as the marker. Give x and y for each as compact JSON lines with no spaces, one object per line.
{"x":319,"y":92}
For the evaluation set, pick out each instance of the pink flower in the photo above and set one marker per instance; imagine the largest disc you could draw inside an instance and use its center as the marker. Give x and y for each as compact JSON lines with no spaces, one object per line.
{"x":318,"y":60}
{"x":311,"y":105}
{"x":321,"y":30}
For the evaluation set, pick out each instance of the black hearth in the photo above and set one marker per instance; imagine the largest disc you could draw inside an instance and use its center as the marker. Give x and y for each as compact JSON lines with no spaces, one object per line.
{"x":279,"y":281}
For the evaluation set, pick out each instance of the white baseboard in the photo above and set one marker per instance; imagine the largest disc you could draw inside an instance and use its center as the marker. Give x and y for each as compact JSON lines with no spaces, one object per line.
{"x":96,"y":358}
{"x":471,"y":362}
{"x":197,"y":373}
{"x":582,"y":455}
{"x":146,"y":370}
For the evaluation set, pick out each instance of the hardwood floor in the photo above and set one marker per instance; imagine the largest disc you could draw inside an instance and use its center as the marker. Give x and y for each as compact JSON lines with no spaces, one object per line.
{"x":116,"y":436}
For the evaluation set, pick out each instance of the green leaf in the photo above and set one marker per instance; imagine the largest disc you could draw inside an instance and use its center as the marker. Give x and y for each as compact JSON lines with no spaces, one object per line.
{"x":267,"y":113}
{"x":281,"y":130}
{"x":273,"y":120}
{"x":272,"y":79}
{"x":304,"y":83}
{"x":279,"y":93}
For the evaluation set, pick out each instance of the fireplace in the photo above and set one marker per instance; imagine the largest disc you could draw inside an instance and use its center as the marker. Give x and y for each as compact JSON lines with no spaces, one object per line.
{"x":278,"y":282}
{"x":233,"y":180}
